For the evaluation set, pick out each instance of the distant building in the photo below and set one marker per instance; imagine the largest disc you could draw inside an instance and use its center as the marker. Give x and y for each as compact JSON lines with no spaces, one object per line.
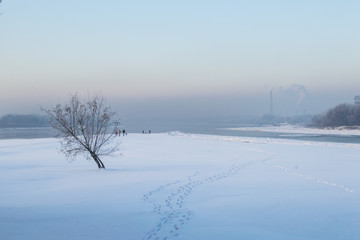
{"x":357,"y":99}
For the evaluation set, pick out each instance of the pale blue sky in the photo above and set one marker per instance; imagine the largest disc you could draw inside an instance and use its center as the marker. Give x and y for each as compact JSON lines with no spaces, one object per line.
{"x":185,"y":57}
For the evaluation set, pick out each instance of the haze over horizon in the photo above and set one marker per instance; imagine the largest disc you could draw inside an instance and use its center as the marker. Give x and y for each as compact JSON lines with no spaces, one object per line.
{"x":181,"y":59}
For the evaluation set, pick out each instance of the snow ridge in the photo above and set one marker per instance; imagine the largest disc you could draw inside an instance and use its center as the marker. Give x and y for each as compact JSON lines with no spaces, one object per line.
{"x":259,"y":140}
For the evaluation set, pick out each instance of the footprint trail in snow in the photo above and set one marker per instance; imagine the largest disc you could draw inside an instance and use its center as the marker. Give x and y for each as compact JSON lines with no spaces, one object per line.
{"x":171,"y":207}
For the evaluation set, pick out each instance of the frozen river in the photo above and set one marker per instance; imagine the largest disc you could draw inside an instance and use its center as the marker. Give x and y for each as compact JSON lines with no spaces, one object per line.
{"x":202,"y":128}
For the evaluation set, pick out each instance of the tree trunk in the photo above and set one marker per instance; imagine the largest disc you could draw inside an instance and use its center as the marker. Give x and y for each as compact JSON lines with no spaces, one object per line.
{"x":99,"y":163}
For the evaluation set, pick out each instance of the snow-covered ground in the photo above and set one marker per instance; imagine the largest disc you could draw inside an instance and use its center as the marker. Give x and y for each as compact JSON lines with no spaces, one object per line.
{"x":302,"y":130}
{"x":182,"y":186}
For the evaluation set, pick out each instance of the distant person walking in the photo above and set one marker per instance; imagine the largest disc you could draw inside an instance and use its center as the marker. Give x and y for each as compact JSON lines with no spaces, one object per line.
{"x":123,"y":132}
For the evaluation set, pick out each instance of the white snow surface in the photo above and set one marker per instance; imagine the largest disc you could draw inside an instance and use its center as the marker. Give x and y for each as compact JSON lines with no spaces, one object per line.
{"x":182,"y":186}
{"x":302,"y":130}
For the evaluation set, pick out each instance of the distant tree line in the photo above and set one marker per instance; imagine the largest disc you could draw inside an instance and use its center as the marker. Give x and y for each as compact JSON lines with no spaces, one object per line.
{"x":23,"y":120}
{"x":341,"y":115}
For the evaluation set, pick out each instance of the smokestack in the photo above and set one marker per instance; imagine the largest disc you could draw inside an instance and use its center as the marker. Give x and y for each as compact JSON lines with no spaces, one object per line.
{"x":271,"y":104}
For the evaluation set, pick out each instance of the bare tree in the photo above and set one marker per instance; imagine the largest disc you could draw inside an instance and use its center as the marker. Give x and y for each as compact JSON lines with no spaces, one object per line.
{"x":340,"y":115}
{"x":85,"y":127}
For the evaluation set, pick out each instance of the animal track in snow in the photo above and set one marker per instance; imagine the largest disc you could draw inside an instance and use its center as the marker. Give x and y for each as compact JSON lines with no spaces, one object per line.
{"x":319,"y":180}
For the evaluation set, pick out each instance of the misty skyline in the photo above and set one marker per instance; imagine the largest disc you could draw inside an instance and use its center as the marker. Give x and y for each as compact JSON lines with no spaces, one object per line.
{"x":176,"y":59}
